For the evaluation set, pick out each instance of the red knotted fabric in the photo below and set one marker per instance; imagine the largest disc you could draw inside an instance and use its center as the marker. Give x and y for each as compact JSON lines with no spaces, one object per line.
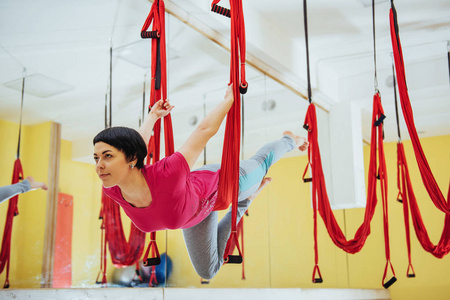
{"x":5,"y":254}
{"x":229,"y":175}
{"x":320,"y":200}
{"x":425,"y":171}
{"x":406,"y":195}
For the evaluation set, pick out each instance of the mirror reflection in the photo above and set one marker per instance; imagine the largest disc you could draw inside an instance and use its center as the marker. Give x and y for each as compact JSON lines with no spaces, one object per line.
{"x":61,"y":244}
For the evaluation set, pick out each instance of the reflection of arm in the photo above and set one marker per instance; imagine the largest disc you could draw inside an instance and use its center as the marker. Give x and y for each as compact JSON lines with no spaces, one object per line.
{"x":9,"y":191}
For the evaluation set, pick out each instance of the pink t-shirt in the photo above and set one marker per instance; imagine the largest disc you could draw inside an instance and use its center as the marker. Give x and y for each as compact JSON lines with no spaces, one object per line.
{"x":180,"y":198}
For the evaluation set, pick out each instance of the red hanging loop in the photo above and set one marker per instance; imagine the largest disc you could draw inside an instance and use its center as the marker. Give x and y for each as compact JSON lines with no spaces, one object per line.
{"x":393,"y":279}
{"x":156,"y":258}
{"x":317,"y":271}
{"x":410,"y":271}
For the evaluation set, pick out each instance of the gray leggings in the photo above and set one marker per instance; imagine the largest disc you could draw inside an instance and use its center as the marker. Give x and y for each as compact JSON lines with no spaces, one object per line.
{"x":207,"y":240}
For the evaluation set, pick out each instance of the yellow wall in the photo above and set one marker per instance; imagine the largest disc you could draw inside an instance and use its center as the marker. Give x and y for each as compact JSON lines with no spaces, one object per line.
{"x":80,"y":180}
{"x":28,"y":226}
{"x":279,"y":231}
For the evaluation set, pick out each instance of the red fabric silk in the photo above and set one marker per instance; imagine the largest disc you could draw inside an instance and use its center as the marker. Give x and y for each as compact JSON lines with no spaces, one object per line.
{"x":156,"y":17}
{"x":409,"y":201}
{"x":5,"y":254}
{"x":123,"y":253}
{"x":320,"y":199}
{"x":425,"y":171}
{"x":229,"y":176}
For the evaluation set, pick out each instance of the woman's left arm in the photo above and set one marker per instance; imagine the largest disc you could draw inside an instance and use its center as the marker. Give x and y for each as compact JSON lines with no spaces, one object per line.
{"x":207,"y":128}
{"x":159,"y":110}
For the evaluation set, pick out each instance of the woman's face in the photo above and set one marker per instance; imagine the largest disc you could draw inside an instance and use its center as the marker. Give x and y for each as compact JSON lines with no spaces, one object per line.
{"x":111,"y":164}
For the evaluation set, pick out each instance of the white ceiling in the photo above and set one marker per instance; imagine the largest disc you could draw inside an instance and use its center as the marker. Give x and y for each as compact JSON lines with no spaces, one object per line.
{"x":69,"y":41}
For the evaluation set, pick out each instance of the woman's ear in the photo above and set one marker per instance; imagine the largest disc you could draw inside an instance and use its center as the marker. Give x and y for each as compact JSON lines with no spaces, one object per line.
{"x":132,"y":162}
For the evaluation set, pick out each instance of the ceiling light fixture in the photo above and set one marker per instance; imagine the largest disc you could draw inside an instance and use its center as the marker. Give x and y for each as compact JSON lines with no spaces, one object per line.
{"x":40,"y":85}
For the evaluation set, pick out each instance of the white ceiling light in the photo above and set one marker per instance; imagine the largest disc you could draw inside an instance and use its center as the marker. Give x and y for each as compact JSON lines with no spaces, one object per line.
{"x":40,"y":85}
{"x":139,"y":53}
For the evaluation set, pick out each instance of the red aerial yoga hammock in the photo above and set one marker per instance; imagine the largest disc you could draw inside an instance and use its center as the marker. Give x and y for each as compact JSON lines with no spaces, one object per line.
{"x":229,"y":174}
{"x":425,"y":171}
{"x":320,"y":201}
{"x":158,"y":91}
{"x":229,"y":185}
{"x":406,"y":192}
{"x":5,"y":254}
{"x":125,"y":253}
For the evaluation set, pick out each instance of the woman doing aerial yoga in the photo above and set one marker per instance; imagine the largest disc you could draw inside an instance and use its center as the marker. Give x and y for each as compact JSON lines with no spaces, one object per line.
{"x":168,"y":195}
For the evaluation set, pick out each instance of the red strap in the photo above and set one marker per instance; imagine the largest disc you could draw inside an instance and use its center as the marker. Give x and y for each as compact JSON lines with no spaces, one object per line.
{"x":231,"y":245}
{"x":5,"y":254}
{"x":153,"y":280}
{"x":152,"y":245}
{"x":103,"y":264}
{"x":316,"y":270}
{"x":155,"y":254}
{"x":240,"y":229}
{"x":402,"y":169}
{"x":392,"y":280}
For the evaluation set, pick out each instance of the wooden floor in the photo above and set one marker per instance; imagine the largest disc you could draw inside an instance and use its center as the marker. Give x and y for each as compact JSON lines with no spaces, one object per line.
{"x":194,"y":294}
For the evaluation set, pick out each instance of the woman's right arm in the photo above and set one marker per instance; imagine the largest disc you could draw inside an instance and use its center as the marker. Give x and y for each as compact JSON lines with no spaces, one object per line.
{"x":159,"y":110}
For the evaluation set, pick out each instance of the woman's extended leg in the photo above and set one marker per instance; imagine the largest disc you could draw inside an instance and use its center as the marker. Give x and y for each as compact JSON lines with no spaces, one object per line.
{"x":207,"y":240}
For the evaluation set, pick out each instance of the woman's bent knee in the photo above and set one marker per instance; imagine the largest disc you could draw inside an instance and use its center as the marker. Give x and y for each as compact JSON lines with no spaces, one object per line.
{"x":207,"y":274}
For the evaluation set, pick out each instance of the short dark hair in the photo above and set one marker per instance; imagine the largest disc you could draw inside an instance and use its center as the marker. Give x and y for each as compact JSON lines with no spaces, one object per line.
{"x":127,"y":140}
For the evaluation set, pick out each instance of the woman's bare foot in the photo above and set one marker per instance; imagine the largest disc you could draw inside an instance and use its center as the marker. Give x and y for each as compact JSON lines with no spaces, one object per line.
{"x":300,"y":142}
{"x":264,"y":182}
{"x":36,"y":184}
